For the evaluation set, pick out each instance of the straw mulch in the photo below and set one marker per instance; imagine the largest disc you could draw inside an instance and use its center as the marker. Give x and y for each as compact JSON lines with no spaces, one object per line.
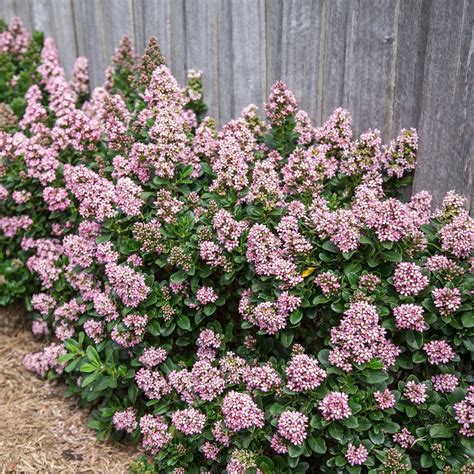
{"x":40,"y":429}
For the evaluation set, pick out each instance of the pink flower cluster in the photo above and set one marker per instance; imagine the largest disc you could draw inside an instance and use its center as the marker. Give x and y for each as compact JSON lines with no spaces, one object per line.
{"x":293,"y":426}
{"x":189,"y":421}
{"x":125,"y":420}
{"x":415,"y":392}
{"x":304,"y":373}
{"x":360,"y":338}
{"x":408,"y":279}
{"x":241,"y":412}
{"x":335,"y":406}
{"x":464,"y":413}
{"x":404,"y":438}
{"x":439,"y":352}
{"x":410,"y":316}
{"x":385,"y":399}
{"x":356,"y":456}
{"x":445,"y":383}
{"x":155,"y":433}
{"x":446,"y":300}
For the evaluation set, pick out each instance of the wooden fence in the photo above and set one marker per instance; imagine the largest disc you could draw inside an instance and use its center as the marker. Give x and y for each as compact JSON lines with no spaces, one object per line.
{"x":392,"y":63}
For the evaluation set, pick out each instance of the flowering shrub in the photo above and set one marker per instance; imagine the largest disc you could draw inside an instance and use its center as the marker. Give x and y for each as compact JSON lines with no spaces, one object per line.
{"x":255,"y":299}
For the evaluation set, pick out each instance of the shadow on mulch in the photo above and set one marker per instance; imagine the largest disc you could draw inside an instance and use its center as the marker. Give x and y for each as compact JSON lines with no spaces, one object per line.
{"x":40,"y":429}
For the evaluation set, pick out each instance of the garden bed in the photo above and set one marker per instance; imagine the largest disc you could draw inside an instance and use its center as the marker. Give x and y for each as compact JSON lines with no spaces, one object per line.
{"x":41,"y":430}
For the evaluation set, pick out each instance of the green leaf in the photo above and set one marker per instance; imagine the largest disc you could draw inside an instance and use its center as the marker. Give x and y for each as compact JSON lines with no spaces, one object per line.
{"x":320,"y":299}
{"x":296,"y":317}
{"x":286,"y":338}
{"x":376,"y":438}
{"x":178,"y":277}
{"x":426,"y":460}
{"x":318,"y":445}
{"x":392,"y":256}
{"x":295,"y":451}
{"x":92,"y":355}
{"x":375,"y":376}
{"x":265,"y":464}
{"x":184,"y":322}
{"x":88,"y":368}
{"x":89,"y":379}
{"x":352,"y":271}
{"x":468,"y":319}
{"x":441,"y":431}
{"x":330,"y":247}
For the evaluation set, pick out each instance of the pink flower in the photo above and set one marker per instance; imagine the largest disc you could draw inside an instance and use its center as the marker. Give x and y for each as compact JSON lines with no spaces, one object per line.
{"x":304,"y":373}
{"x":293,"y":426}
{"x":155,"y":433}
{"x":404,"y":438}
{"x":447,"y":300}
{"x":356,"y":456}
{"x":415,"y":392}
{"x":408,"y":279}
{"x":360,"y":338}
{"x":445,"y":383}
{"x":385,"y":399}
{"x":241,"y":412}
{"x":464,"y":413}
{"x":328,"y":282}
{"x":189,"y":421}
{"x":278,"y":444}
{"x":153,"y":356}
{"x":409,"y":316}
{"x":264,"y":378}
{"x":335,"y":406}
{"x":281,"y":103}
{"x":206,"y":295}
{"x":439,"y":352}
{"x":228,"y":229}
{"x":125,"y":420}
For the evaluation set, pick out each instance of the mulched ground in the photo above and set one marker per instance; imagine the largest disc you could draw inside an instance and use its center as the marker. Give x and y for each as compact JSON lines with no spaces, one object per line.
{"x":40,"y":429}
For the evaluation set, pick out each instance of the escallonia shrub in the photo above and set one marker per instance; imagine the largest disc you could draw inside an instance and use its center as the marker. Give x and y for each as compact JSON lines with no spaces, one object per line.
{"x":254,"y":299}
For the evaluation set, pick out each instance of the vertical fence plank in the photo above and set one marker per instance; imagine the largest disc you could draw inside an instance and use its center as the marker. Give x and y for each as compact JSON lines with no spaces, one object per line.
{"x":273,"y":42}
{"x":201,"y":47}
{"x":411,"y":46}
{"x":139,"y":25}
{"x":445,"y":125}
{"x":225,"y":61}
{"x":370,"y":52}
{"x":157,"y":24}
{"x":333,"y":56}
{"x":246,"y":56}
{"x":90,"y":34}
{"x":300,"y":47}
{"x":177,"y":40}
{"x":8,"y":9}
{"x":118,"y":21}
{"x":64,"y":32}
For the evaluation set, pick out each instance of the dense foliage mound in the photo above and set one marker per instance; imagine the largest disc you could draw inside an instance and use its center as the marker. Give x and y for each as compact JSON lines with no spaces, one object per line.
{"x":254,"y":299}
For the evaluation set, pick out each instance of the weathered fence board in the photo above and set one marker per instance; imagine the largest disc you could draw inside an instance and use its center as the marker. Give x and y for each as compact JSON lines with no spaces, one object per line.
{"x":393,"y":63}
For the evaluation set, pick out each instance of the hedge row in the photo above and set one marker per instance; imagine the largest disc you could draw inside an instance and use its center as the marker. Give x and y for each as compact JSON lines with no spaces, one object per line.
{"x":254,"y":299}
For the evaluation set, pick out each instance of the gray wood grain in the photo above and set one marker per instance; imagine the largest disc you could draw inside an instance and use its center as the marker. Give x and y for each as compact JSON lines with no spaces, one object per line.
{"x":300,"y":51}
{"x":90,"y":19}
{"x":445,"y":125}
{"x":63,"y":25}
{"x":119,"y":21}
{"x":370,"y":50}
{"x":201,"y":47}
{"x":246,"y":60}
